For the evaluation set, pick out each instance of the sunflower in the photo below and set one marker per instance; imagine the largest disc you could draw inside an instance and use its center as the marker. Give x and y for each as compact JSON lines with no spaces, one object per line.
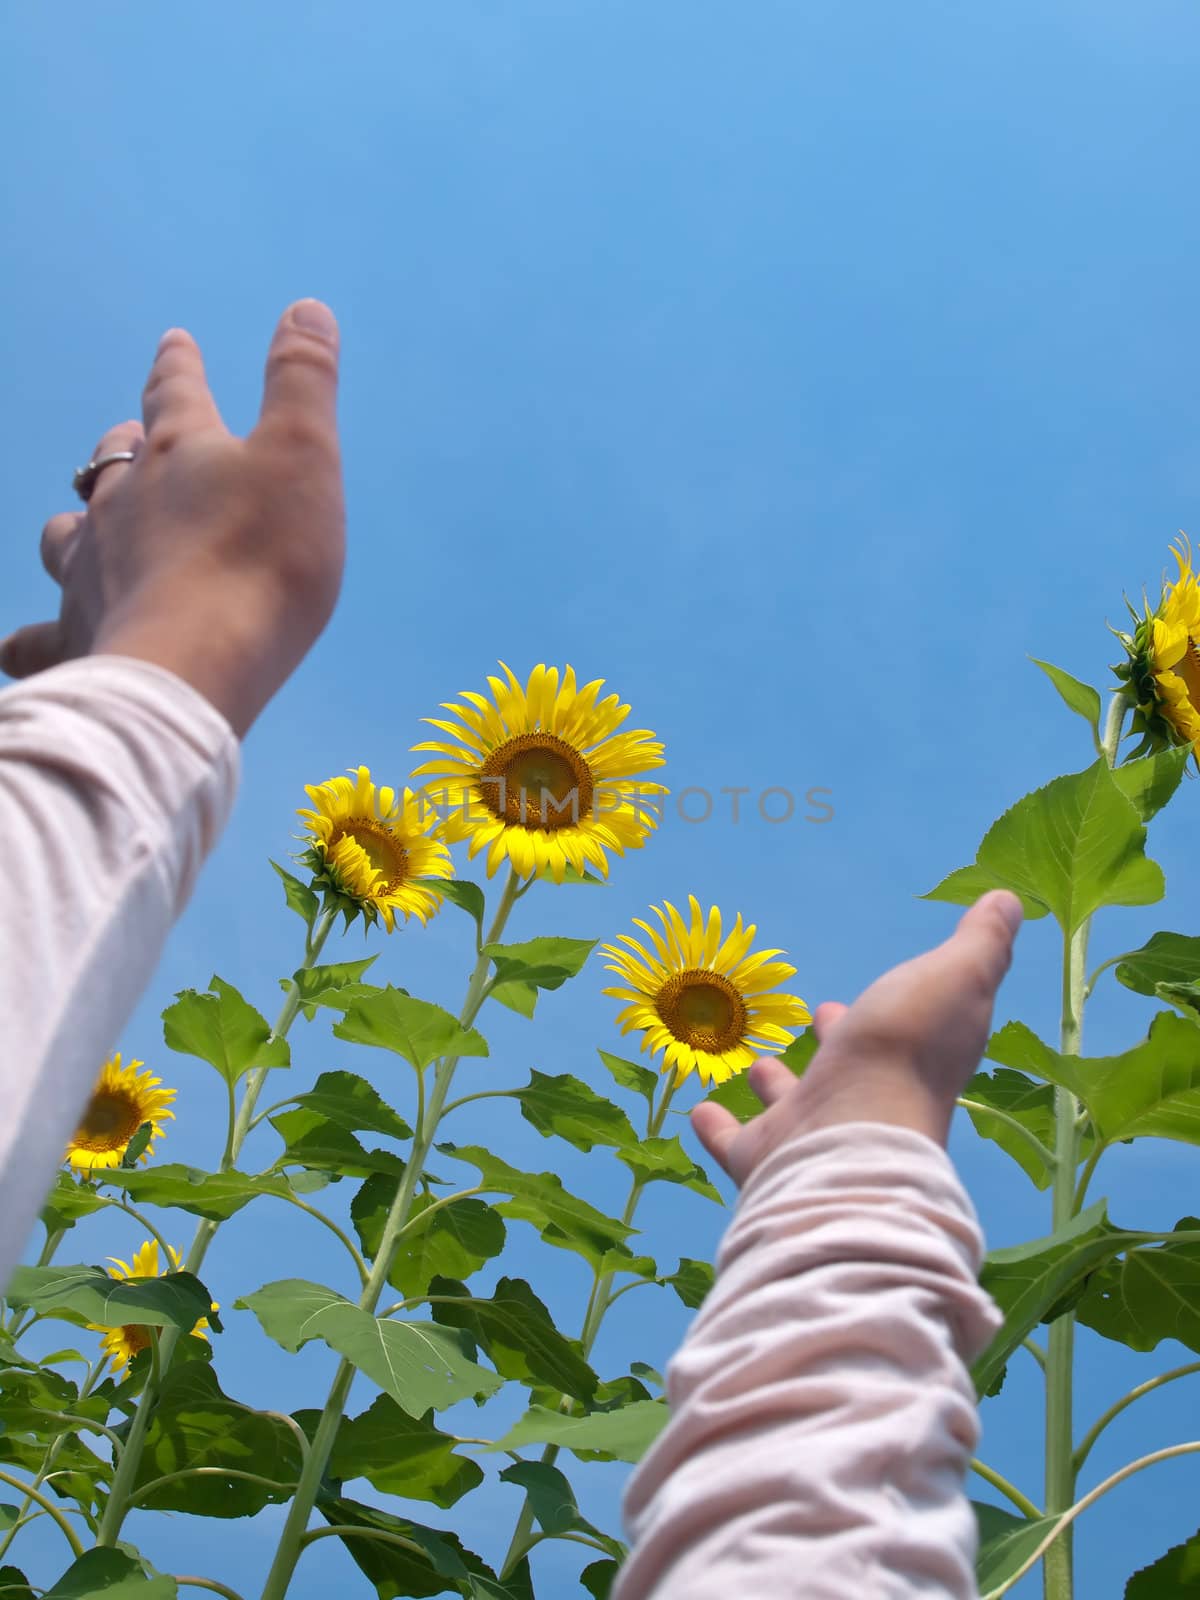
{"x":122,"y":1101}
{"x":540,"y":774}
{"x":1163,"y":670}
{"x":371,"y":848}
{"x":711,"y":1005}
{"x":121,"y":1344}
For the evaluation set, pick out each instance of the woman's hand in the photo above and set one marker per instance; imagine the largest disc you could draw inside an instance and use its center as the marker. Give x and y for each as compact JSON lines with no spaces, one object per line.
{"x":215,"y":557}
{"x":900,"y":1054}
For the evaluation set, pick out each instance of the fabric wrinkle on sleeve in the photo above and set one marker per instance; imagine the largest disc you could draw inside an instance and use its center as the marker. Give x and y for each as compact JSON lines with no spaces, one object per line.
{"x":116,"y":778}
{"x":822,"y":1413}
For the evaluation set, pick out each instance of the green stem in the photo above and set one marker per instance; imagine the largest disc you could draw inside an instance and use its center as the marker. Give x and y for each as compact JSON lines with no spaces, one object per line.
{"x":598,"y":1303}
{"x":51,"y":1510}
{"x":360,"y":1265}
{"x":118,"y":1500}
{"x":1085,"y":1177}
{"x":1060,"y":1351}
{"x":349,"y":1531}
{"x":207,"y":1472}
{"x":1115,"y":1410}
{"x":1010,"y":1491}
{"x":164,"y":1255}
{"x":1080,"y":1506}
{"x":294,"y":1536}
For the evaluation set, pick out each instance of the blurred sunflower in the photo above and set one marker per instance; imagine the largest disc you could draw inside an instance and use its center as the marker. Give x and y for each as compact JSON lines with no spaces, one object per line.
{"x":709,"y":1004}
{"x":122,"y":1101}
{"x":121,"y":1344}
{"x":371,"y":847}
{"x":540,"y":775}
{"x":1163,"y":669}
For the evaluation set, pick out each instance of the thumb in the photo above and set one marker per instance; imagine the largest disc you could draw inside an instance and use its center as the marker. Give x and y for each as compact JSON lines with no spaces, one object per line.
{"x":32,"y":649}
{"x":300,"y":391}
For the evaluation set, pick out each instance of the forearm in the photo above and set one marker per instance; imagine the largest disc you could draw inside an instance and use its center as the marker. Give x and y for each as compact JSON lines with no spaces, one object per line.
{"x":823,"y":1417}
{"x":115,"y":781}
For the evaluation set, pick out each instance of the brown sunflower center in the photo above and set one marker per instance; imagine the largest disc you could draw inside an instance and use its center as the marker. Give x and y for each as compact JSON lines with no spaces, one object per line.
{"x":380,"y":846}
{"x":537,"y":780}
{"x":109,"y":1122}
{"x":703,"y":1009}
{"x":136,"y":1339}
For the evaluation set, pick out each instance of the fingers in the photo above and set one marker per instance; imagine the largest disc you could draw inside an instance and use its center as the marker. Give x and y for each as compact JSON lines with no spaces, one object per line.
{"x":59,"y":537}
{"x":300,"y":391}
{"x":32,"y":649}
{"x":125,"y":436}
{"x":716,"y":1130}
{"x":825,"y":1016}
{"x":985,"y":935}
{"x":770,"y":1079}
{"x":176,"y":399}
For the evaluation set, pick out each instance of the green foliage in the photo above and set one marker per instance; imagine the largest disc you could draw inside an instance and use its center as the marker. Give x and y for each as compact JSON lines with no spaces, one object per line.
{"x":624,"y":1434}
{"x":414,"y":1029}
{"x":1069,"y":848}
{"x":300,"y":898}
{"x":216,"y":1195}
{"x":111,"y":1575}
{"x":398,"y":1454}
{"x":422,"y":1366}
{"x":222,"y":1029}
{"x":566,"y":1106}
{"x":1080,"y":697}
{"x":1174,"y":1576}
{"x":453,"y":1242}
{"x":516,"y":1333}
{"x":1005,"y":1543}
{"x":1028,"y":1103}
{"x":420,"y":1561}
{"x":337,"y":985}
{"x":1149,"y":1293}
{"x":88,"y":1294}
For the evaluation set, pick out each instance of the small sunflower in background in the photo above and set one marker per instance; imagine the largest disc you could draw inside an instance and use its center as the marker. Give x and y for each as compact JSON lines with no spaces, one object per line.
{"x":542,"y":774}
{"x":709,"y":1004}
{"x":1163,"y":670}
{"x":122,"y":1101}
{"x":122,"y":1343}
{"x":372,"y":847}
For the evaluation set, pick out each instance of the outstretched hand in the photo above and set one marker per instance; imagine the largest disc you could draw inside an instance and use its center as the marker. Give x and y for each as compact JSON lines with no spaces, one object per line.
{"x":900,"y":1054}
{"x":215,"y":557}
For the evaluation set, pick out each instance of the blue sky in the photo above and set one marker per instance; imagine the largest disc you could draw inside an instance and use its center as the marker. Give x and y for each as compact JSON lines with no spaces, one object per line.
{"x":798,"y":368}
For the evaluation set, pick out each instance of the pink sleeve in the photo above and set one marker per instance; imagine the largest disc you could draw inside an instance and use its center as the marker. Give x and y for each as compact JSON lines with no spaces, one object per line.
{"x":115,"y":780}
{"x":822,"y":1414}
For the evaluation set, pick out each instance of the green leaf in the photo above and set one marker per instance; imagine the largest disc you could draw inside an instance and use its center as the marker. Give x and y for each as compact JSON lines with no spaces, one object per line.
{"x":312,"y":1140}
{"x":414,"y":1029}
{"x":351,"y":1102}
{"x":566,"y":1106}
{"x":78,"y":1472}
{"x":195,"y":1424}
{"x":691,"y":1281}
{"x":398,"y":1454}
{"x":1029,"y":1103}
{"x":1080,"y":697}
{"x":625,"y":1434}
{"x":1071,"y":847}
{"x":1005,"y":1543}
{"x":1164,"y":958}
{"x":421,"y":1365}
{"x":516,"y":995}
{"x":335,"y":985}
{"x":546,"y":963}
{"x":552,"y":1501}
{"x":14,"y":1585}
{"x":517,"y":1334}
{"x":1173,"y":1576}
{"x":539,"y":1198}
{"x":222,"y":1029}
{"x":106,"y":1574}
{"x":668,"y":1161}
{"x":88,"y":1294}
{"x":598,"y":1578}
{"x":1028,"y":1281}
{"x":570,"y":875}
{"x":32,"y":1400}
{"x":137,"y":1146}
{"x":464,"y":894}
{"x":736,"y":1095}
{"x":1151,"y":782}
{"x":1151,"y":1293}
{"x":1151,"y":1091}
{"x":68,"y":1201}
{"x":454,"y":1243}
{"x":630,"y":1075}
{"x":215,"y":1195}
{"x":440,"y":1563}
{"x":299,"y":896}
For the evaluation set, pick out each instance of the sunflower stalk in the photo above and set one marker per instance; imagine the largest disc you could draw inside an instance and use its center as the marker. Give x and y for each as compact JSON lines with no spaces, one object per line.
{"x":523,"y":1537}
{"x":295,"y":1535}
{"x":163,"y":1348}
{"x":1067,"y":1196}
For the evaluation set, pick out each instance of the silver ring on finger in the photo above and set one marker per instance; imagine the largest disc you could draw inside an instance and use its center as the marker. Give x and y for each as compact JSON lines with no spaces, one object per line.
{"x":84,"y":480}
